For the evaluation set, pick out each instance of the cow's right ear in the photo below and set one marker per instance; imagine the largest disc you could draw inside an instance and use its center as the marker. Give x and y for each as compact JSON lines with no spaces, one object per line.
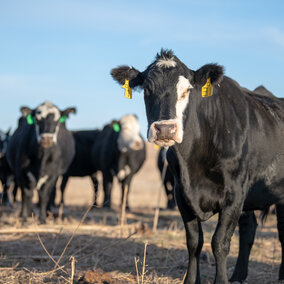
{"x":26,"y":111}
{"x":122,"y":73}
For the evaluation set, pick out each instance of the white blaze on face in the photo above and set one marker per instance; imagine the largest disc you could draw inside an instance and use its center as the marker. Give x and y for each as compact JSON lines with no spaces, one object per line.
{"x":183,"y":89}
{"x":129,"y":136}
{"x":46,"y":109}
{"x":182,"y":93}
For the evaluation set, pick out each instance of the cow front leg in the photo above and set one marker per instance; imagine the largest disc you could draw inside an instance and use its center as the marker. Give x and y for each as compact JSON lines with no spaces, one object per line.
{"x":194,"y":240}
{"x":280,"y":227}
{"x":44,"y":197}
{"x":227,"y":222}
{"x":247,"y":229}
{"x":125,"y":182}
{"x":26,"y":209}
{"x":107,"y":184}
{"x":96,"y":189}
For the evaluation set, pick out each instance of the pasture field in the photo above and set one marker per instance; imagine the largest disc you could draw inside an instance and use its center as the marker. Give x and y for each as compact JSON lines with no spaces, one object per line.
{"x":96,"y":249}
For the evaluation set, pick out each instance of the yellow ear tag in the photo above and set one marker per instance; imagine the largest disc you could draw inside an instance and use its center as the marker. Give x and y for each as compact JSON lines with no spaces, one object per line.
{"x":157,"y":146}
{"x":128,"y":91}
{"x":207,"y":89}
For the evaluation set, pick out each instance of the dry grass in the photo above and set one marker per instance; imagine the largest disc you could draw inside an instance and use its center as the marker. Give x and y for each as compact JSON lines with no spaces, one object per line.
{"x":93,"y":250}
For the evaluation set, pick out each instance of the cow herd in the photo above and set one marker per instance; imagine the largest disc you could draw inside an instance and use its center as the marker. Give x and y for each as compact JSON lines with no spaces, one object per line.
{"x":223,"y":144}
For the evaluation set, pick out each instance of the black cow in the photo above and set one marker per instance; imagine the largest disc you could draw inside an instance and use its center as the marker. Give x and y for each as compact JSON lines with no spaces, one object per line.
{"x":119,"y":151}
{"x":82,"y":164}
{"x":39,"y":151}
{"x":227,"y":151}
{"x":168,"y":179}
{"x":6,"y":175}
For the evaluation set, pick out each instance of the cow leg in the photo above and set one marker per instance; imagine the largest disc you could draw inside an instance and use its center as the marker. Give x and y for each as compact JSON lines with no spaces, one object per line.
{"x":44,"y":197}
{"x":194,"y":241}
{"x":15,"y":190}
{"x":125,"y":182}
{"x":247,"y":229}
{"x":280,"y":227}
{"x":107,"y":184}
{"x":51,"y":202}
{"x":5,"y":196}
{"x":96,"y":188}
{"x":62,"y":187}
{"x":26,"y":210}
{"x":227,"y":223}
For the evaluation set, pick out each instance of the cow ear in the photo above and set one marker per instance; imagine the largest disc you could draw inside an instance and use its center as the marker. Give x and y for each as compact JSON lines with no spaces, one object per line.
{"x":26,"y":111}
{"x":115,"y":125}
{"x":122,"y":73}
{"x":213,"y":71}
{"x":67,"y":111}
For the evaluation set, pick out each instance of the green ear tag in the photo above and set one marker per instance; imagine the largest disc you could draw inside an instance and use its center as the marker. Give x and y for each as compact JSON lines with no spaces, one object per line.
{"x":62,"y":118}
{"x":116,"y":127}
{"x":30,"y":119}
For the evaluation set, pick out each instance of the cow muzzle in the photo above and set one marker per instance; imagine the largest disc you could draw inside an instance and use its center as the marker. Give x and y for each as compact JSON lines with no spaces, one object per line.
{"x":47,"y":140}
{"x":164,"y":133}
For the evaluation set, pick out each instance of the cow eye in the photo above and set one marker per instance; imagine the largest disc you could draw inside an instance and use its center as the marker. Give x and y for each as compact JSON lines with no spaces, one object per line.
{"x":184,"y":94}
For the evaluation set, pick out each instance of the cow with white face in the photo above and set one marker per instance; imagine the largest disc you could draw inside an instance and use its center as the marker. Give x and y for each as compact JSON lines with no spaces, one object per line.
{"x":40,"y":150}
{"x":226,"y":150}
{"x":118,"y":151}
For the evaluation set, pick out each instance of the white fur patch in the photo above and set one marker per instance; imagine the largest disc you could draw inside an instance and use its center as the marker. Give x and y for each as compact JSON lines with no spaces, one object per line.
{"x":166,"y":62}
{"x":129,"y":136}
{"x":45,"y":109}
{"x":41,"y":182}
{"x":123,"y":173}
{"x":183,"y":86}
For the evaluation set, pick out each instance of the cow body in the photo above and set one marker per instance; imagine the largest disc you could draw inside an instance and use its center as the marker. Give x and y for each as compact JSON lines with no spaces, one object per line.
{"x":40,"y":152}
{"x":227,"y":151}
{"x":82,"y":164}
{"x":118,"y":154}
{"x":168,"y":179}
{"x":6,"y":175}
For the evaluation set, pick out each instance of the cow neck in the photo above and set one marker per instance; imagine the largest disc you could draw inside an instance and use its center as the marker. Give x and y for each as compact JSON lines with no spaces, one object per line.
{"x":212,"y":128}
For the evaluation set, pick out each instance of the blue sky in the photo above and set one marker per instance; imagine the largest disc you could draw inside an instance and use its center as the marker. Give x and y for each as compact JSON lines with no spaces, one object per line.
{"x":63,"y":51}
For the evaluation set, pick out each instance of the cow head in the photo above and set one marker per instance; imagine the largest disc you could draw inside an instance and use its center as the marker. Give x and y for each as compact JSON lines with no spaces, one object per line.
{"x":4,"y":138}
{"x":47,"y":119}
{"x":167,"y":85}
{"x":129,"y":136}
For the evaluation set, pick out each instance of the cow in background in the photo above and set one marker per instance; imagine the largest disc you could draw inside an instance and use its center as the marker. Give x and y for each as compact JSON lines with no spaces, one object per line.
{"x":119,"y":151}
{"x":6,"y":175}
{"x":40,"y":150}
{"x":226,"y":148}
{"x":82,"y":164}
{"x":168,"y":180}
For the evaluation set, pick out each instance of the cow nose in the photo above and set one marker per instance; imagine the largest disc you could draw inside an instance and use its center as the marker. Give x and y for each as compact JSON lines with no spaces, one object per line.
{"x":46,"y":141}
{"x":165,"y":130}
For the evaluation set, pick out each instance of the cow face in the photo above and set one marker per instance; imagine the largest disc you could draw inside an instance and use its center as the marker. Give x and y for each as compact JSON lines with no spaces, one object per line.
{"x":47,"y":119}
{"x":4,"y":137}
{"x":167,"y":85}
{"x":129,"y":136}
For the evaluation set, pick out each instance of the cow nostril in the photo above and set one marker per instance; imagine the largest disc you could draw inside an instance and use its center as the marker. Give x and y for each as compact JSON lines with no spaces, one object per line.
{"x":157,"y":128}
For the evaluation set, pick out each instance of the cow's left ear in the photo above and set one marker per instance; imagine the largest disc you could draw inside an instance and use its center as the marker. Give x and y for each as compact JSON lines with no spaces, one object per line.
{"x":67,"y":111}
{"x":213,"y":71}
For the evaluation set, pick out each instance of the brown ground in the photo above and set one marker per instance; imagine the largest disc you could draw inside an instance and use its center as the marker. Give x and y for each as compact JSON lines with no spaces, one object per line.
{"x":105,"y":253}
